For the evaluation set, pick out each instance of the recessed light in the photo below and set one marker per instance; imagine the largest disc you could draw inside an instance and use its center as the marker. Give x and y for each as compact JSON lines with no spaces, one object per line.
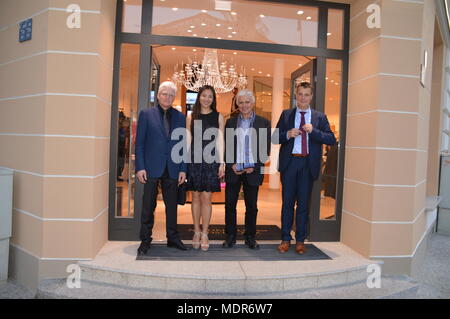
{"x":230,"y":28}
{"x":253,"y":69}
{"x":195,"y":50}
{"x":329,"y":33}
{"x":206,"y":38}
{"x":189,"y":30}
{"x":204,"y":11}
{"x":219,"y":38}
{"x":300,"y":12}
{"x":230,"y":36}
{"x":262,"y":15}
{"x":268,"y":74}
{"x":174,"y":49}
{"x":260,"y":72}
{"x":233,"y":13}
{"x":308,"y":18}
{"x":192,"y":26}
{"x":218,"y":25}
{"x":174,"y":9}
{"x":300,"y":64}
{"x":194,"y":35}
{"x":234,"y":53}
{"x":234,"y":32}
{"x":203,"y":24}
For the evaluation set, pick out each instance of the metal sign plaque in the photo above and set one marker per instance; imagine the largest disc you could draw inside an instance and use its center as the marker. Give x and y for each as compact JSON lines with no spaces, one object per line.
{"x":26,"y":30}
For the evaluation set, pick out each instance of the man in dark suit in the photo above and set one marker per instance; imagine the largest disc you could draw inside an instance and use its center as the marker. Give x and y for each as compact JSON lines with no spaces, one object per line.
{"x":155,"y":164}
{"x":247,"y":138}
{"x":301,"y":132}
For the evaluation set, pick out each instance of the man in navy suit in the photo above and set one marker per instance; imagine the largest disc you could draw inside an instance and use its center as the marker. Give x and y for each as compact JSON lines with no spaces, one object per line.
{"x":302,"y":132}
{"x":155,"y":164}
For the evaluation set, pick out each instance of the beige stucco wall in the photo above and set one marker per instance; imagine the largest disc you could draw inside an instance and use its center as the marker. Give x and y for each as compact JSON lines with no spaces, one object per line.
{"x":384,"y":214}
{"x":55,"y":105}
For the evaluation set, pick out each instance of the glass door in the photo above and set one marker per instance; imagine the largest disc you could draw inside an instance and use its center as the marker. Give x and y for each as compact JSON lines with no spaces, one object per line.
{"x":135,"y":92}
{"x":323,"y":223}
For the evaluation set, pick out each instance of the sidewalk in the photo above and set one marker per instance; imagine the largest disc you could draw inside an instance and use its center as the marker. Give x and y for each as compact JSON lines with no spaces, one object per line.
{"x":433,"y":278}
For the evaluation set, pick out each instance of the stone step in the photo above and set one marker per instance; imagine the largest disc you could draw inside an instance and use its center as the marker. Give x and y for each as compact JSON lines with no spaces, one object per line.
{"x":222,"y":282}
{"x":397,"y":287}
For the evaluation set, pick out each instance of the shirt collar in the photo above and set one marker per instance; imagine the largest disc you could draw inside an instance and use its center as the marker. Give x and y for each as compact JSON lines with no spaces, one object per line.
{"x":308,"y":110}
{"x":249,"y":119}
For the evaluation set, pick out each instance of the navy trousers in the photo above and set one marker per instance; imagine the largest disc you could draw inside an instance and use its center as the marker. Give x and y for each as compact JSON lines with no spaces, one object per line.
{"x":297,"y":185}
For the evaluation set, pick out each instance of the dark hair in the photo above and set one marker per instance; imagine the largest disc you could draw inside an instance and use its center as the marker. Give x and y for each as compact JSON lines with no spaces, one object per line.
{"x":197,"y":106}
{"x":305,"y":85}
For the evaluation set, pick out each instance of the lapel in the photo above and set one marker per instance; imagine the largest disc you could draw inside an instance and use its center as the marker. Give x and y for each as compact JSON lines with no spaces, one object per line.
{"x":314,"y":118}
{"x":291,"y":118}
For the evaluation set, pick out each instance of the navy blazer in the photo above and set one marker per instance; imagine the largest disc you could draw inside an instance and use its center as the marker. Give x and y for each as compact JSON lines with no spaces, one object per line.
{"x":321,"y":134}
{"x":153,"y":147}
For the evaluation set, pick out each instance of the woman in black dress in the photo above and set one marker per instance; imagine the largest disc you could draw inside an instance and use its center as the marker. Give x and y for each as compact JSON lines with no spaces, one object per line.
{"x":207,"y":166}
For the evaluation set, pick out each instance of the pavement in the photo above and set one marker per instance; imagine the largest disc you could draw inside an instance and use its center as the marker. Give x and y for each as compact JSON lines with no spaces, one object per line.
{"x":433,"y":278}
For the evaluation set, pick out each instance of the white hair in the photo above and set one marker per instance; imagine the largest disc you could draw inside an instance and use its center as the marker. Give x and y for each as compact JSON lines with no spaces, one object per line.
{"x":168,"y":85}
{"x":246,"y":93}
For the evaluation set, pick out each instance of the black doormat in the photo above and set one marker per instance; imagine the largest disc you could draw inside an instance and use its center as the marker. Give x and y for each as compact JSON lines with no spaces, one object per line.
{"x":217,"y":232}
{"x":266,"y":252}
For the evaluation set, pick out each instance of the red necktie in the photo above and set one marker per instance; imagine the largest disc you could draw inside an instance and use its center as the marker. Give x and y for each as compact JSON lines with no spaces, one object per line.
{"x":303,"y":134}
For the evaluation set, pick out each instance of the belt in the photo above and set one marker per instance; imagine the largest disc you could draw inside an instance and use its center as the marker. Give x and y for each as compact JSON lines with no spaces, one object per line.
{"x":299,"y":155}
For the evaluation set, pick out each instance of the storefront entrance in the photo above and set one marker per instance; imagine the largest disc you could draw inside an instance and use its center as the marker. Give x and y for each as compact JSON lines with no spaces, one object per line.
{"x":307,"y":40}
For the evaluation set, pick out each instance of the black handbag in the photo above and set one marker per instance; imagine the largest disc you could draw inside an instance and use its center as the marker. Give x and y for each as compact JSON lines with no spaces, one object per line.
{"x":181,"y":196}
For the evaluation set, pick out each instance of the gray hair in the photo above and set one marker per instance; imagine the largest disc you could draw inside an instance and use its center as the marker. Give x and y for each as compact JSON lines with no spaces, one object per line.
{"x":246,"y":93}
{"x":168,"y":85}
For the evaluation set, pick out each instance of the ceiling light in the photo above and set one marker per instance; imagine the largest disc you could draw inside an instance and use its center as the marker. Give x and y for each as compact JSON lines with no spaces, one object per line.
{"x":174,"y":9}
{"x":268,"y":74}
{"x":189,"y":30}
{"x":262,"y":15}
{"x":328,"y":34}
{"x":308,"y":18}
{"x":174,"y":49}
{"x":192,"y":27}
{"x":230,"y":36}
{"x":194,"y":35}
{"x":204,"y":11}
{"x":195,"y":50}
{"x":233,"y":13}
{"x":234,"y":32}
{"x":300,"y":12}
{"x":230,"y":28}
{"x":260,"y":72}
{"x":219,"y":38}
{"x":203,"y":24}
{"x":234,"y":53}
{"x":218,"y":25}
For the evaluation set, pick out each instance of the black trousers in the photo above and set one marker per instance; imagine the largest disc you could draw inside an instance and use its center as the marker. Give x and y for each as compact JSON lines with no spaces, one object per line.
{"x":169,"y":191}
{"x":251,"y":209}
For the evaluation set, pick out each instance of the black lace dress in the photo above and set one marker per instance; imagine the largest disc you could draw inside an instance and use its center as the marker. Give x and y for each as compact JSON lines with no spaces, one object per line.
{"x":203,"y":171}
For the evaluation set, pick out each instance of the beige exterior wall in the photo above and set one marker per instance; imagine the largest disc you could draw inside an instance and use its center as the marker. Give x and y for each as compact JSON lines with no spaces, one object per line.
{"x":384,"y":215}
{"x":55,"y":106}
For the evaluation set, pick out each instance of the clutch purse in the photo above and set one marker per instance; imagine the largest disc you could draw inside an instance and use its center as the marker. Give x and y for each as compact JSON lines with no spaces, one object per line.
{"x":181,"y":196}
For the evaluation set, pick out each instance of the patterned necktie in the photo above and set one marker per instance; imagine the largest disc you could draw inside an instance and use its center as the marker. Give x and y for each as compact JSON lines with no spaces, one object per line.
{"x":303,"y":134}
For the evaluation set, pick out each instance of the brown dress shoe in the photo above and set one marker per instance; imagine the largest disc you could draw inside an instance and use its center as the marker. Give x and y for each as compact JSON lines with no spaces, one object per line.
{"x":300,"y":248}
{"x":284,"y":246}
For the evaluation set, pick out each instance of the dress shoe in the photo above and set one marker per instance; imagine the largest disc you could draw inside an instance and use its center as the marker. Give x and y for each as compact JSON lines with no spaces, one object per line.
{"x":284,"y":246}
{"x":251,"y":243}
{"x":229,"y":242}
{"x":144,"y":247}
{"x":300,"y":248}
{"x":177,"y":244}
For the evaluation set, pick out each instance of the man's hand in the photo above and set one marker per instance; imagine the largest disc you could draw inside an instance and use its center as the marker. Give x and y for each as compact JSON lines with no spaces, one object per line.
{"x":307,"y":128}
{"x":249,"y":170}
{"x":181,"y":178}
{"x":142,"y":176}
{"x":235,"y":171}
{"x":294,"y":132}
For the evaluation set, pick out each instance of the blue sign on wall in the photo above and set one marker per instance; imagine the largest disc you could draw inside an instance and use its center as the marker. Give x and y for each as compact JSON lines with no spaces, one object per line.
{"x":26,"y":30}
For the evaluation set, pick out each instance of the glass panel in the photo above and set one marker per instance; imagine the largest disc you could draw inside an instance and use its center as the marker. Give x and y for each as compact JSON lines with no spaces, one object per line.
{"x":335,"y":29}
{"x":127,"y":121}
{"x":237,"y":20}
{"x":132,"y":16}
{"x":154,"y":84}
{"x":330,"y":153}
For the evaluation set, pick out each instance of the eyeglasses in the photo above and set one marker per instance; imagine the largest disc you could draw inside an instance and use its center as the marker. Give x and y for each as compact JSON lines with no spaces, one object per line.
{"x":167,"y":94}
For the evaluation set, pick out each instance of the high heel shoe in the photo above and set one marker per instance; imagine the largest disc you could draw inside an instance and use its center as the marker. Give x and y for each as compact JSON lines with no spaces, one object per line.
{"x":205,"y":246}
{"x":196,"y":240}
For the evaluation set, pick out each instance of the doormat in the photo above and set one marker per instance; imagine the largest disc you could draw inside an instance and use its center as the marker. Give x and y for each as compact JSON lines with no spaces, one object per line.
{"x":217,"y":232}
{"x":266,"y":252}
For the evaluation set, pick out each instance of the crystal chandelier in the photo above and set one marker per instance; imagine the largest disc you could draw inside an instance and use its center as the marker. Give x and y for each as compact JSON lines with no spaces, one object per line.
{"x":222,"y":79}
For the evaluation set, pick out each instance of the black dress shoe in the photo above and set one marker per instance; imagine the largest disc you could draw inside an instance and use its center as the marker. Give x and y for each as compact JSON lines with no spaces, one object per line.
{"x":229,"y":242}
{"x":144,"y":247}
{"x":251,"y":243}
{"x":177,"y":244}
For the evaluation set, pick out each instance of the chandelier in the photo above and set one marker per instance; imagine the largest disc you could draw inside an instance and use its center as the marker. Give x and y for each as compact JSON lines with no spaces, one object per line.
{"x":222,"y":79}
